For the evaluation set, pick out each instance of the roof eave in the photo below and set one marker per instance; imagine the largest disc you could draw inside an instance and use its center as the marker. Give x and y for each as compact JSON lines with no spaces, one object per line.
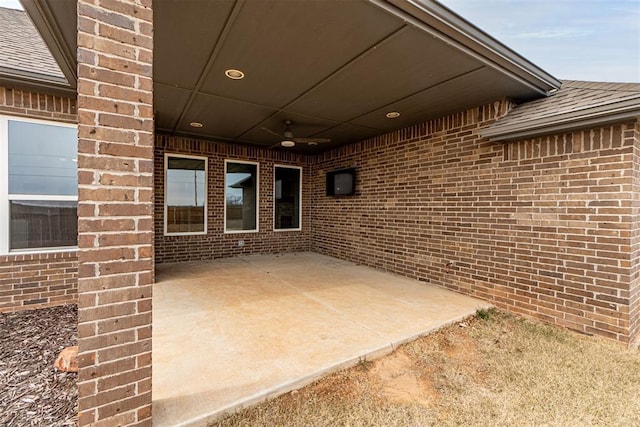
{"x":34,"y":81}
{"x":613,"y":113}
{"x":44,"y":21}
{"x":443,"y":23}
{"x":459,"y":32}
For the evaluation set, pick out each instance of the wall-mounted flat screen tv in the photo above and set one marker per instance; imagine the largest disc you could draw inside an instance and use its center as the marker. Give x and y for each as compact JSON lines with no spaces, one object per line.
{"x":341,"y":182}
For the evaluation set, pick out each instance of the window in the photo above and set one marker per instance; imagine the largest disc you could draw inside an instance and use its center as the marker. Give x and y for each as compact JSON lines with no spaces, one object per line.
{"x":185,"y":195}
{"x":287,"y":188}
{"x":38,"y":185}
{"x":241,"y":197}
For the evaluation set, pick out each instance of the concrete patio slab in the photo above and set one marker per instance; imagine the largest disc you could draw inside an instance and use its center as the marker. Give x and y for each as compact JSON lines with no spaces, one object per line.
{"x":232,"y":332}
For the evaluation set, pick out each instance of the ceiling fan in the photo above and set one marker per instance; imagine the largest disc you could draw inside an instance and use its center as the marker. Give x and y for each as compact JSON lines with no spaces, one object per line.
{"x":288,"y":140}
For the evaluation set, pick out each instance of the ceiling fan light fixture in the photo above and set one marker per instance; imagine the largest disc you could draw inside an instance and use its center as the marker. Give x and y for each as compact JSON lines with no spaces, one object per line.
{"x":392,"y":115}
{"x":312,"y":143}
{"x":287,"y":143}
{"x":234,"y":74}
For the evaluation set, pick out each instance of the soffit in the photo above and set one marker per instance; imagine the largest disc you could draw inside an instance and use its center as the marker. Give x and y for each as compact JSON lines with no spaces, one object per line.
{"x":334,"y":68}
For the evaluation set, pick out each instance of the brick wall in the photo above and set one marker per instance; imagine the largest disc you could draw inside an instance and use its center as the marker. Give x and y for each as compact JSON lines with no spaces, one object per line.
{"x":216,"y":243}
{"x":37,"y":280}
{"x":634,"y":315}
{"x":22,"y":103}
{"x":540,"y":227}
{"x":31,"y":281}
{"x":115,"y":210}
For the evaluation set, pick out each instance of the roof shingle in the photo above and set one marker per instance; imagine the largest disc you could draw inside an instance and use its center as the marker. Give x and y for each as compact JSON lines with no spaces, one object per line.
{"x":576,"y":103}
{"x":22,"y":48}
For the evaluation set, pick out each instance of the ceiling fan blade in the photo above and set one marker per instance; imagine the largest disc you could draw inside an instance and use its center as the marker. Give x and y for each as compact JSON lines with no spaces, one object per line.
{"x":278,"y":145}
{"x":271,"y":132}
{"x":311,"y":140}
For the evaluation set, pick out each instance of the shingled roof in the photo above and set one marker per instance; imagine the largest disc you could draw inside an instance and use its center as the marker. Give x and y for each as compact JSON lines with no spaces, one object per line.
{"x":24,"y":57}
{"x":577,"y":104}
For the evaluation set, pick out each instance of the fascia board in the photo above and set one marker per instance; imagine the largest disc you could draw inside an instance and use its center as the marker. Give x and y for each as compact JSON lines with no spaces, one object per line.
{"x":455,"y":30}
{"x":44,"y":22}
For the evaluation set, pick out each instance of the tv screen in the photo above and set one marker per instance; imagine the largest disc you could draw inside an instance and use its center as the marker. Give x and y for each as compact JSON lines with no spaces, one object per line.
{"x":341,"y":183}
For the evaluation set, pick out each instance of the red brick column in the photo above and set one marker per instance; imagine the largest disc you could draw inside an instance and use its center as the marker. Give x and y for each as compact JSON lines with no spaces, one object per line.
{"x":115,"y":209}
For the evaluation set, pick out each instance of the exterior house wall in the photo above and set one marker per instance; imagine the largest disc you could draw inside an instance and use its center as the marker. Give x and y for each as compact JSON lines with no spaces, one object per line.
{"x":547,"y":227}
{"x":522,"y":224}
{"x":216,"y":243}
{"x":35,"y":280}
{"x":540,"y":227}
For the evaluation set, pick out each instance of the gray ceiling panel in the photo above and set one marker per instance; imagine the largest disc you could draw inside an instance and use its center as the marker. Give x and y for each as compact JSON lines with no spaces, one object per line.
{"x":472,"y":89}
{"x":405,"y":64}
{"x":185,"y":32}
{"x":286,"y":47}
{"x":223,"y":118}
{"x":347,"y":133}
{"x":169,"y":103}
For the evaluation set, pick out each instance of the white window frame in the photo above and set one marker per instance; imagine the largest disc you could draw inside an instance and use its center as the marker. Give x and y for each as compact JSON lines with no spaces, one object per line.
{"x":206,"y":193}
{"x":224,"y":192}
{"x":6,"y":198}
{"x":299,"y":228}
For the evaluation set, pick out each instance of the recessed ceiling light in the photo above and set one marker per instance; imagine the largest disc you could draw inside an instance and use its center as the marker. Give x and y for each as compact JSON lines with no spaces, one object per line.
{"x":196,"y":124}
{"x":234,"y":74}
{"x":313,"y":143}
{"x":287,"y":143}
{"x":392,"y":115}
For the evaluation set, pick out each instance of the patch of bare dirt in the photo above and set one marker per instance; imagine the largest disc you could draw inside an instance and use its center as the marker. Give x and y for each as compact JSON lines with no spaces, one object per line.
{"x":32,"y":392}
{"x":402,"y":381}
{"x":342,"y":386}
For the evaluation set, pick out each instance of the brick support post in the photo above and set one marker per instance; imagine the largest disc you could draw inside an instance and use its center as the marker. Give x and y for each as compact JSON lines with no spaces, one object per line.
{"x":115,"y":209}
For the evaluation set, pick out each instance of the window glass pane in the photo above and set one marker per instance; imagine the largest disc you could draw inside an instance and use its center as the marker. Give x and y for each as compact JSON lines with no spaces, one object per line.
{"x":42,"y":159}
{"x":43,"y":224}
{"x":186,"y":195}
{"x":287,"y":198}
{"x":241,"y":196}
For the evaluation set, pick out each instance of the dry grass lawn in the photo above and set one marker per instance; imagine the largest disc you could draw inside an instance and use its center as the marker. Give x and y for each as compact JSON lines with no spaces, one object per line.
{"x":499,"y":371}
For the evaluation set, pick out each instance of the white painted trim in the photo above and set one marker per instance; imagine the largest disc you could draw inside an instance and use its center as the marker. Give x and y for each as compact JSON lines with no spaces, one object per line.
{"x":52,"y":250}
{"x":206,"y":193}
{"x":6,"y":118}
{"x":239,"y":231}
{"x":299,"y":198}
{"x":4,"y":185}
{"x":224,"y":192}
{"x":5,"y":197}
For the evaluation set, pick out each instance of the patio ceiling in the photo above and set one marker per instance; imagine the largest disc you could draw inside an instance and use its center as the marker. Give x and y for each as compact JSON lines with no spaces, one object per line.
{"x":334,"y":68}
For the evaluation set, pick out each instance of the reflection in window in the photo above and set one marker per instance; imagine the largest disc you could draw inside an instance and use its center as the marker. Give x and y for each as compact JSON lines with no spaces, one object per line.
{"x":42,"y":186}
{"x":287,"y":198}
{"x":43,"y":224}
{"x":186,"y":195}
{"x":42,"y":159}
{"x":241,"y":196}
